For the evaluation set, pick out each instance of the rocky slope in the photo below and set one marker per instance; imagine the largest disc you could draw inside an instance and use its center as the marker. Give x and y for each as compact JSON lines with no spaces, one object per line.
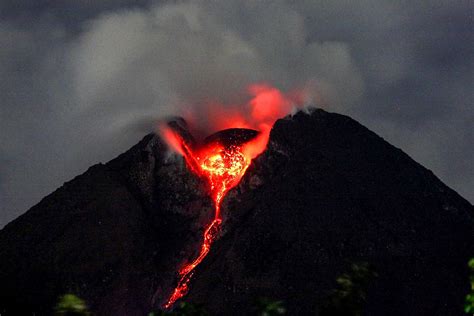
{"x":325,"y":193}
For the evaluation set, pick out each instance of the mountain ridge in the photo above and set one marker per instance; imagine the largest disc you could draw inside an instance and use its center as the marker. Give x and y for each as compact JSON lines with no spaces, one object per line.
{"x":327,"y":190}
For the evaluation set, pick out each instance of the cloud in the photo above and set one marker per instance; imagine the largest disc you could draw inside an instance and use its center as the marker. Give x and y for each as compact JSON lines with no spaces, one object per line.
{"x":82,"y":81}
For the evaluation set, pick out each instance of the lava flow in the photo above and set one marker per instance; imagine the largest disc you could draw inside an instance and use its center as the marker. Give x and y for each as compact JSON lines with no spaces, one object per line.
{"x":222,"y":165}
{"x":224,"y":157}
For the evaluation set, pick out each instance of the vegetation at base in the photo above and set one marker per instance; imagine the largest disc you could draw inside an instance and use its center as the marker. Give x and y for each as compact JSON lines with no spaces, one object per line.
{"x":350,"y":296}
{"x":71,"y":305}
{"x":269,"y":307}
{"x":469,"y":304}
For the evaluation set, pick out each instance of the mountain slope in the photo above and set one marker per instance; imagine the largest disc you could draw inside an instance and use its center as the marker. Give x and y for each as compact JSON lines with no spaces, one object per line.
{"x":326,"y":192}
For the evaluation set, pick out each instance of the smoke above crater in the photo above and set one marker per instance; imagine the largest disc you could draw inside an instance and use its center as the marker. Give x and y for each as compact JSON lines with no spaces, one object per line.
{"x":177,"y":57}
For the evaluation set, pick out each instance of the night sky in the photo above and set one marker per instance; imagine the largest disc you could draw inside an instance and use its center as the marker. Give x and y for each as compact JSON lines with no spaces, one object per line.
{"x":81,"y":81}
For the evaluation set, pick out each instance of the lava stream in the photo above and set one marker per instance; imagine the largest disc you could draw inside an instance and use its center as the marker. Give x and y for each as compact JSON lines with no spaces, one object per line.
{"x":187,"y":271}
{"x":222,"y":167}
{"x":226,"y":155}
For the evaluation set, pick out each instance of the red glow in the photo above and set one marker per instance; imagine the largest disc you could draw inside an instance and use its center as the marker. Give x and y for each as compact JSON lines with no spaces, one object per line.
{"x":222,"y":167}
{"x":172,"y":139}
{"x":268,"y":103}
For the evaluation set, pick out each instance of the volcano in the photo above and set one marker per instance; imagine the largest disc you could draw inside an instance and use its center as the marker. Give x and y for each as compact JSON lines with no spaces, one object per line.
{"x":326,"y":192}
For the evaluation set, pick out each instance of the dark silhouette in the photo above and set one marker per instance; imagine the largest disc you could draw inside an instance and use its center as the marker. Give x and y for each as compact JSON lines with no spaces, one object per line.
{"x":325,"y":192}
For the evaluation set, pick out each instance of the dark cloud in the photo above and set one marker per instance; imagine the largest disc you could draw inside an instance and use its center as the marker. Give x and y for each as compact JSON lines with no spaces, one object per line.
{"x":81,"y":81}
{"x":70,"y":13}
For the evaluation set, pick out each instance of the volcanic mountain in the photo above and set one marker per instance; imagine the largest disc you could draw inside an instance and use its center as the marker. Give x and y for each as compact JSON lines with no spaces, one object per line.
{"x":326,"y":192}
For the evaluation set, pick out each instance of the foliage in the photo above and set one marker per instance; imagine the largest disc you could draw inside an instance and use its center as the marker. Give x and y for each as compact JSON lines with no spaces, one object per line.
{"x":350,"y":295}
{"x":71,"y":305}
{"x":469,"y":304}
{"x":183,"y":309}
{"x":269,"y":307}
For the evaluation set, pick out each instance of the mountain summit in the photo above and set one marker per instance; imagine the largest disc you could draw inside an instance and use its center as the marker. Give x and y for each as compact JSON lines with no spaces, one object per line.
{"x":325,"y":193}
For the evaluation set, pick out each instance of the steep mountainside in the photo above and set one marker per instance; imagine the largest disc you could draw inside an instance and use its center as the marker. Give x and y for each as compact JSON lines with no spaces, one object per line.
{"x":326,"y":192}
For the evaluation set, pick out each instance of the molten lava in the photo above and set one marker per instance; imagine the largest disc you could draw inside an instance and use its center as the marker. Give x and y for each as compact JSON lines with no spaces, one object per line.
{"x":222,"y":166}
{"x":225,"y":156}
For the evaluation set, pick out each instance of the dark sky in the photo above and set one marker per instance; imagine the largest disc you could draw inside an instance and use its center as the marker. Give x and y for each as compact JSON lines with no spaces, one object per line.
{"x":81,"y":80}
